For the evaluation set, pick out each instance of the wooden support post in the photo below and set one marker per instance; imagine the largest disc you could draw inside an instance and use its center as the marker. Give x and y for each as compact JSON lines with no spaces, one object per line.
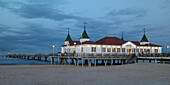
{"x":45,"y":58}
{"x":143,"y":61}
{"x":122,"y":62}
{"x":105,"y":63}
{"x":59,"y":60}
{"x":82,"y":62}
{"x":136,"y":60}
{"x":69,"y":61}
{"x":89,"y":64}
{"x":94,"y":62}
{"x":77,"y":62}
{"x":102,"y":61}
{"x":149,"y":61}
{"x":34,"y":58}
{"x":155,"y":60}
{"x":111,"y":62}
{"x":28,"y":57}
{"x":72,"y":61}
{"x":86,"y":61}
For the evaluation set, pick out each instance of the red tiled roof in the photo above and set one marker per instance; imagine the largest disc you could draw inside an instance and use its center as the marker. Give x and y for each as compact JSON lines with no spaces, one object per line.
{"x":110,"y":41}
{"x":150,"y":44}
{"x":72,"y":42}
{"x":89,"y":42}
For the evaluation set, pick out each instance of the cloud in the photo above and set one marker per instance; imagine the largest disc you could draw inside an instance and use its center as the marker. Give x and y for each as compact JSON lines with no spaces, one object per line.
{"x":128,"y":12}
{"x":37,"y":9}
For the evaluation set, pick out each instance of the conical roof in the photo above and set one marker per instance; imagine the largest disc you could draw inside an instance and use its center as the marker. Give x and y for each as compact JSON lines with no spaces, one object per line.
{"x":84,"y":35}
{"x":144,"y":39}
{"x":68,"y":37}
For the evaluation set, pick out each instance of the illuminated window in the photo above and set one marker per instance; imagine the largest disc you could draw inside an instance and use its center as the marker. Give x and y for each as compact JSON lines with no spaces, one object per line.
{"x":108,"y":49}
{"x":113,"y":49}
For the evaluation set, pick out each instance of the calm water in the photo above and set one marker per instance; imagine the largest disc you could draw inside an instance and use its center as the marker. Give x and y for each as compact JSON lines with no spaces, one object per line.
{"x":17,"y":61}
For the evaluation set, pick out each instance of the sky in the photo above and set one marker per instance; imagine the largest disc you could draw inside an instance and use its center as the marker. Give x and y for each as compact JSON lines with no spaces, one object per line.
{"x":33,"y":26}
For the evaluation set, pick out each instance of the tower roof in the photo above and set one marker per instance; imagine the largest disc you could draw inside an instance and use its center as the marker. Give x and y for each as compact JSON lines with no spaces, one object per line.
{"x":144,"y":38}
{"x":84,"y":35}
{"x":68,"y":37}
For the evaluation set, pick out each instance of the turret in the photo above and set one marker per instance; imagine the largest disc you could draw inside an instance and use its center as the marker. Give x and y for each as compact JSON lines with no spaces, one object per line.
{"x":144,"y":39}
{"x":68,"y":38}
{"x":84,"y":37}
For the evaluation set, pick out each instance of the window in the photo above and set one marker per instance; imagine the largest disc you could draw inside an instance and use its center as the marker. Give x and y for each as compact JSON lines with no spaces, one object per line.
{"x":103,"y":49}
{"x":113,"y":49}
{"x":137,"y":50}
{"x":123,"y":49}
{"x":81,"y":49}
{"x":133,"y":49}
{"x":108,"y":49}
{"x":118,"y":49}
{"x":145,"y":50}
{"x":156,"y":50}
{"x":93,"y":49}
{"x":141,"y":50}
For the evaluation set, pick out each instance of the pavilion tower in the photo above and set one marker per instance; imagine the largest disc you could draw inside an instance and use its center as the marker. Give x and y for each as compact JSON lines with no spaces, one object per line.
{"x":122,"y":36}
{"x":68,"y":38}
{"x":84,"y":36}
{"x":144,"y":39}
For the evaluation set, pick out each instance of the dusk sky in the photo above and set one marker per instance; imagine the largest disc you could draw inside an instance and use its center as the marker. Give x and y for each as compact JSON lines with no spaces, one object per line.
{"x":33,"y":26}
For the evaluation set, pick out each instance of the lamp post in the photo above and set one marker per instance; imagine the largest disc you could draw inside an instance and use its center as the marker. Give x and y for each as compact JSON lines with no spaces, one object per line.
{"x":53,"y":53}
{"x":167,"y":49}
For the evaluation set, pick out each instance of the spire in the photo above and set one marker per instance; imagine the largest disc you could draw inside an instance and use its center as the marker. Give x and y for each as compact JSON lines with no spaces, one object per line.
{"x":144,"y":38}
{"x":84,"y":35}
{"x":122,"y":36}
{"x":68,"y":36}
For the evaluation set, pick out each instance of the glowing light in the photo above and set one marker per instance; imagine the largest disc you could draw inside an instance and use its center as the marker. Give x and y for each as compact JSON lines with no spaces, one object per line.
{"x":88,"y":45}
{"x":98,"y":45}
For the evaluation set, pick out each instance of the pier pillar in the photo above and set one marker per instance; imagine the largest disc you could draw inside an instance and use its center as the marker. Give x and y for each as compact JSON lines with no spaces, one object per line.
{"x":69,"y":61}
{"x":72,"y":61}
{"x":89,"y":64}
{"x":28,"y":57}
{"x":95,"y":62}
{"x":34,"y":58}
{"x":86,"y":61}
{"x":45,"y":58}
{"x":155,"y":60}
{"x":105,"y":62}
{"x":102,"y":61}
{"x":31,"y":58}
{"x":82,"y":62}
{"x":143,"y":61}
{"x":136,"y":60}
{"x":149,"y":61}
{"x":122,"y":62}
{"x":77,"y":62}
{"x":111,"y":62}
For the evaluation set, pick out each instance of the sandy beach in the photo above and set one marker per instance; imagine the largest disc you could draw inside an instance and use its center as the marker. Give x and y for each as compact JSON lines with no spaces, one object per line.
{"x":132,"y":74}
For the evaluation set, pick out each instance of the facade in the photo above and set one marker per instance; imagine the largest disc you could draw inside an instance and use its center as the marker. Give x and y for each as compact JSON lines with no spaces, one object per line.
{"x":111,"y":45}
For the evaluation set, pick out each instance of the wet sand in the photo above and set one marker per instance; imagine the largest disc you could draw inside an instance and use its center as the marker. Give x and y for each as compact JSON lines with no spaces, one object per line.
{"x":131,"y":74}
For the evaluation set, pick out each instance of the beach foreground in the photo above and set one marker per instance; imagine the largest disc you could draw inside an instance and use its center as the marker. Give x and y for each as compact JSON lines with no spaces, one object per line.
{"x":132,"y":74}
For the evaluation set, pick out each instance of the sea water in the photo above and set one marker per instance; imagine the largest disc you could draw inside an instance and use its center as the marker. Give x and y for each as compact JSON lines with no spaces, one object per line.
{"x":16,"y":61}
